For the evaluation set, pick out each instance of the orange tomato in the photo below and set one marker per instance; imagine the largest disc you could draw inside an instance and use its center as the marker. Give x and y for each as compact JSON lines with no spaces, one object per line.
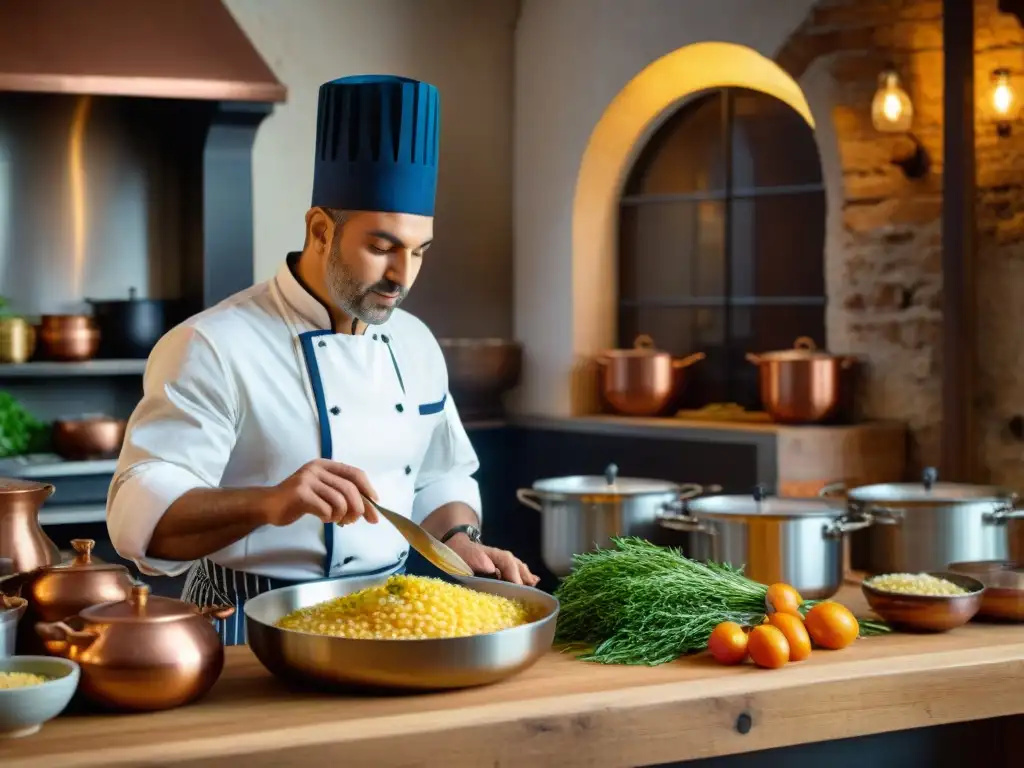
{"x":767,"y":646}
{"x":831,"y":625}
{"x":728,"y":643}
{"x":782,"y":598}
{"x":796,"y":634}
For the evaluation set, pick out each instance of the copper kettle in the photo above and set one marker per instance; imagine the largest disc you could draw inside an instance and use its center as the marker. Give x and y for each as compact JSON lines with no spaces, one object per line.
{"x":57,"y":591}
{"x":143,"y":653}
{"x":22,"y":540}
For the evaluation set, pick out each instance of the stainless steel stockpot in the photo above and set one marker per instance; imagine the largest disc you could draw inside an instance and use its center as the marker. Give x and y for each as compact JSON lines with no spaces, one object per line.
{"x":798,"y":541}
{"x":584,"y":512}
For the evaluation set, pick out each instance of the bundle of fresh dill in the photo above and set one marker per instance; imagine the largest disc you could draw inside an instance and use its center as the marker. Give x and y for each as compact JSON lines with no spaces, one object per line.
{"x":638,"y":603}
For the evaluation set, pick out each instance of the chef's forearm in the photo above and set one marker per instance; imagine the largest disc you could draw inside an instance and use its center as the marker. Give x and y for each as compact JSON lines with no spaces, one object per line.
{"x":446,"y":517}
{"x":206,"y":520}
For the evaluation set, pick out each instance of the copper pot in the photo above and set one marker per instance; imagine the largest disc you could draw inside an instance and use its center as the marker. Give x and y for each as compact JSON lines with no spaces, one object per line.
{"x":144,"y":652}
{"x":96,"y":437}
{"x":17,"y":340}
{"x":642,"y":381}
{"x":22,"y":540}
{"x":68,"y":338}
{"x":57,"y":591}
{"x":802,"y":385}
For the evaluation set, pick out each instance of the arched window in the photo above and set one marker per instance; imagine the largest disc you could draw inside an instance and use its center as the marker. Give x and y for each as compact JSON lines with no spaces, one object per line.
{"x":722,"y":235}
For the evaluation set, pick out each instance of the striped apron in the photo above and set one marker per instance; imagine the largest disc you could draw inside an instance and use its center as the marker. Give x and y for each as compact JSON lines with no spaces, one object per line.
{"x":210,"y":584}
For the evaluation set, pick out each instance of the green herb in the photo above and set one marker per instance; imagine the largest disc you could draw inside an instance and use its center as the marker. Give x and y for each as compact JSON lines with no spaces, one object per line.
{"x":19,"y":429}
{"x":638,"y":603}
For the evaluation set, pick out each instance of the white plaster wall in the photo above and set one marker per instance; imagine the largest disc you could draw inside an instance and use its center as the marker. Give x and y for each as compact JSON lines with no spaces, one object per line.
{"x":571,"y":58}
{"x":465,"y":48}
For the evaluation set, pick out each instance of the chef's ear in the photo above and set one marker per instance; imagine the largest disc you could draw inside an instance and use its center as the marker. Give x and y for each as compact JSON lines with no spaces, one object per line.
{"x":319,"y":229}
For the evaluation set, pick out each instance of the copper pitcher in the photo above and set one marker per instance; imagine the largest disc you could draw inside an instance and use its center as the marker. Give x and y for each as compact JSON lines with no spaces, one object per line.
{"x":802,"y":385}
{"x":22,"y":540}
{"x":57,"y":591}
{"x":644,"y":380}
{"x":143,"y":653}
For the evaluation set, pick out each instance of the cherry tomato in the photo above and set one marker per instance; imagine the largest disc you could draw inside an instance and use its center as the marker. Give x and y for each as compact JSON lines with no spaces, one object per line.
{"x":831,"y":625}
{"x":796,"y":634}
{"x":782,"y":598}
{"x":728,"y":643}
{"x":767,"y":646}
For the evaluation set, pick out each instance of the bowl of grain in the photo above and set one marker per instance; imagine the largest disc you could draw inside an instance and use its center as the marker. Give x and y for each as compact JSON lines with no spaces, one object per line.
{"x":33,"y":690}
{"x":928,"y":602}
{"x":1004,"y":587}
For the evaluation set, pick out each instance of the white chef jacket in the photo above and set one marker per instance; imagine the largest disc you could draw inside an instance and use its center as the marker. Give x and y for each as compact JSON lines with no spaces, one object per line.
{"x":248,"y":391}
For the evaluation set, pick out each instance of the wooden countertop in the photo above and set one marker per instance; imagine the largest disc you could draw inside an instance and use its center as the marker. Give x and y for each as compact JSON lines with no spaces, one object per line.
{"x":563,"y":711}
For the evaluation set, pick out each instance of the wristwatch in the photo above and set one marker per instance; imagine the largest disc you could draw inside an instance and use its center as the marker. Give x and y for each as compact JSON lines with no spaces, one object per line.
{"x":470,"y":530}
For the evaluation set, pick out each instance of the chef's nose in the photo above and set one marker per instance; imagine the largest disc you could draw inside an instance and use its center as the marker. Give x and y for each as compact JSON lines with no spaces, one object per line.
{"x":400,"y":267}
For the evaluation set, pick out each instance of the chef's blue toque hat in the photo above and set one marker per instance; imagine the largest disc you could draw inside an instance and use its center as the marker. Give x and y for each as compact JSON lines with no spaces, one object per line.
{"x":376,"y":145}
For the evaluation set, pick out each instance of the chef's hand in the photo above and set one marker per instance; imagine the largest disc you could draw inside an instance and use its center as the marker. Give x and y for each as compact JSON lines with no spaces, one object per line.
{"x":486,"y":560}
{"x":327,"y":489}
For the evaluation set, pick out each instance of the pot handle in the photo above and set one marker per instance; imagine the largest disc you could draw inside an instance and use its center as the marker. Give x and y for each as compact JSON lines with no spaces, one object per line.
{"x":529,"y":498}
{"x":689,"y":360}
{"x":217,"y":611}
{"x":832,"y":489}
{"x":59,"y":632}
{"x":847,"y":524}
{"x":1000,"y":516}
{"x":752,"y":358}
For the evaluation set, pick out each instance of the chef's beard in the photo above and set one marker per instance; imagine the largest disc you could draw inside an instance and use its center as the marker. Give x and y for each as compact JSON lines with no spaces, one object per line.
{"x":357,"y":299}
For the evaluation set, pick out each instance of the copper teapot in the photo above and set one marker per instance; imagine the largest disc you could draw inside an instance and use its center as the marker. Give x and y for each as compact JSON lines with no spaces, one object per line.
{"x":143,"y":653}
{"x":55,"y":592}
{"x":22,"y":540}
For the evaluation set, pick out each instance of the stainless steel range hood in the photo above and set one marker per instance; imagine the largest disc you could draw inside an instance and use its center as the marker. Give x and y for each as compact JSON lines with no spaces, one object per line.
{"x":184,"y":49}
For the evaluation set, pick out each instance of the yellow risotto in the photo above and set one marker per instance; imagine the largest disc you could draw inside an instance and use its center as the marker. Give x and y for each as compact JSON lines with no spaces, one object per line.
{"x":10,"y":680}
{"x":916,"y":584}
{"x":409,"y":608}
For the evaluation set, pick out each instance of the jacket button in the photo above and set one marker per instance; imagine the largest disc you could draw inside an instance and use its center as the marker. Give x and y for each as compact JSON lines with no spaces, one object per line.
{"x":375,"y":337}
{"x":335,"y":410}
{"x":322,"y":344}
{"x":408,"y":469}
{"x":399,"y":407}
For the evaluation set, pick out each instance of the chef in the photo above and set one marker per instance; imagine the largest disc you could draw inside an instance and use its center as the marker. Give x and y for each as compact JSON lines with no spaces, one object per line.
{"x":266,"y":418}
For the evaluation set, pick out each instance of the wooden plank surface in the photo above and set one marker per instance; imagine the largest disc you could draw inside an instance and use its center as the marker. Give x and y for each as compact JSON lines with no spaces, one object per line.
{"x":564,"y":712}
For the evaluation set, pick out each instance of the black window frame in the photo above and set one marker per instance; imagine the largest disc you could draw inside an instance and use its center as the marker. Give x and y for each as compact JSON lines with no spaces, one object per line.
{"x":728,"y":195}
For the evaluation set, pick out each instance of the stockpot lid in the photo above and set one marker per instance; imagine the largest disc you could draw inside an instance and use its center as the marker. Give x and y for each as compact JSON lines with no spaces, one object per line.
{"x":803,"y":348}
{"x":930,"y":492}
{"x":608,"y":484}
{"x":759,"y":504}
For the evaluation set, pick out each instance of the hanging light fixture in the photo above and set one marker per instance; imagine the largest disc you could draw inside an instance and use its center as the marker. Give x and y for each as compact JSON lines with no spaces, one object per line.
{"x":891,"y":109}
{"x":1004,"y":101}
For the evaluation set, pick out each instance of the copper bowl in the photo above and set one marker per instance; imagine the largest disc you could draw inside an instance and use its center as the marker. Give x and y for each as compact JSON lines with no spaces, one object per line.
{"x":97,"y":437}
{"x":928,"y":613}
{"x":480,"y":371}
{"x":1004,"y":587}
{"x":68,"y":338}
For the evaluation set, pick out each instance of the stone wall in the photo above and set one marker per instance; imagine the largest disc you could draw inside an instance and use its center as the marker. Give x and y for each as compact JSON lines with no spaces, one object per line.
{"x":884,"y":273}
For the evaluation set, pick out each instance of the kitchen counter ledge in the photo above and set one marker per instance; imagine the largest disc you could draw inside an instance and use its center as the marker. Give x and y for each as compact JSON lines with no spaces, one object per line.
{"x":565,"y":712}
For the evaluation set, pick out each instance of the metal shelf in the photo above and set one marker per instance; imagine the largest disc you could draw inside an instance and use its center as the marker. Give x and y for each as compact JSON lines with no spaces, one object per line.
{"x":49,"y":465}
{"x":72,"y":514}
{"x":88,"y":368}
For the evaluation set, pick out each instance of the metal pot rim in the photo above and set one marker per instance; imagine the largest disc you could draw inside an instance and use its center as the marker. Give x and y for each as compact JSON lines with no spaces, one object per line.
{"x":917,"y":495}
{"x":579,"y":486}
{"x":747,"y":507}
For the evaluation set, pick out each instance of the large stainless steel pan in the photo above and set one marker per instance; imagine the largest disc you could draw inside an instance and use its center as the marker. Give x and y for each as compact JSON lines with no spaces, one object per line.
{"x":459,"y":662}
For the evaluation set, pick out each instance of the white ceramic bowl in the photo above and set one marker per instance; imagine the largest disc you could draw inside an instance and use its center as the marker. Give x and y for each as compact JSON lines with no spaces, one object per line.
{"x":24,"y":710}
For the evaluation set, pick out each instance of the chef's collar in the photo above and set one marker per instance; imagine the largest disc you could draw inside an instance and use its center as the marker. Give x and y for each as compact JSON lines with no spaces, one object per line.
{"x":299,"y":297}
